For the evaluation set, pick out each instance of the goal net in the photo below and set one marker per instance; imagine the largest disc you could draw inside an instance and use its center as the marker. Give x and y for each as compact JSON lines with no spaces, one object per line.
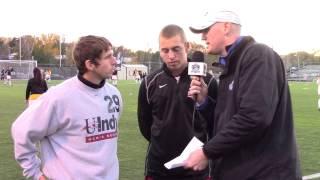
{"x":21,"y":69}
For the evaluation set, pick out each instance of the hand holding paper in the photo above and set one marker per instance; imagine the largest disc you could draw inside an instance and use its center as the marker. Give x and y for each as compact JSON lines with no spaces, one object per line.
{"x":193,"y":145}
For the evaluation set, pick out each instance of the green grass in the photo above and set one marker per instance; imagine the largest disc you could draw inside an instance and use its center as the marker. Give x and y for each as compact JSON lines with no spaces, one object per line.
{"x":132,"y":146}
{"x":307,"y":125}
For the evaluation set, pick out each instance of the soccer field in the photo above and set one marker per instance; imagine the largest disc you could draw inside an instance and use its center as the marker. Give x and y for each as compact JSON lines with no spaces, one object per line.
{"x":132,"y":146}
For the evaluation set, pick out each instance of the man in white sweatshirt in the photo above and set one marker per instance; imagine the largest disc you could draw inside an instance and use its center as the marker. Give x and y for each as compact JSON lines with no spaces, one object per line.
{"x":76,"y":122}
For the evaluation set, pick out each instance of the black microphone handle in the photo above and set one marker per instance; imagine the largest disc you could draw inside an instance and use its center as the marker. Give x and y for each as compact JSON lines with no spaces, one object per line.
{"x":196,"y":96}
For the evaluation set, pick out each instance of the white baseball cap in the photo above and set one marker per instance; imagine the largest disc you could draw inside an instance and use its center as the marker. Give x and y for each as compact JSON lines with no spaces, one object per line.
{"x":211,"y":18}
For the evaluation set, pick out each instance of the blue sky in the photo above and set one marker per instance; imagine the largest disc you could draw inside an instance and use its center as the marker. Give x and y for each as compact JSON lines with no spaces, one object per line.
{"x":284,"y":25}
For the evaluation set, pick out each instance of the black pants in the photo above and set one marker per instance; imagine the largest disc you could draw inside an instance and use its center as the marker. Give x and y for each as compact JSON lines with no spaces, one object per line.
{"x":205,"y":177}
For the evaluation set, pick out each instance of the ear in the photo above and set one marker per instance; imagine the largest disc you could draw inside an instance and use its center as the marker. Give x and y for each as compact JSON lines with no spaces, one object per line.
{"x":187,"y":46}
{"x":89,"y":65}
{"x":227,"y":28}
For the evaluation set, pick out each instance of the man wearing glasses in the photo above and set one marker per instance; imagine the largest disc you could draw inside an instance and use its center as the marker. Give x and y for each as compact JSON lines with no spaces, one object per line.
{"x":167,"y":118}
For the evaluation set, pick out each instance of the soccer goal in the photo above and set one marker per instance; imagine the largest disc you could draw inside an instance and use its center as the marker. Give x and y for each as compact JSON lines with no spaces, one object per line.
{"x":21,"y":69}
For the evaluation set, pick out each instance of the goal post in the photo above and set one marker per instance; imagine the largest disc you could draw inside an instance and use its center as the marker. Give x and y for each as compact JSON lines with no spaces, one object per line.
{"x":21,"y":69}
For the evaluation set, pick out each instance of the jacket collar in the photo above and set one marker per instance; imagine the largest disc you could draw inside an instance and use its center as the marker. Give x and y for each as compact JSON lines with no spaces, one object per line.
{"x":234,"y":53}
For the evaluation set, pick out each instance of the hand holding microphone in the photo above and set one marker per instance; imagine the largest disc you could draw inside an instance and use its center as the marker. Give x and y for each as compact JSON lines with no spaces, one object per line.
{"x":197,"y":69}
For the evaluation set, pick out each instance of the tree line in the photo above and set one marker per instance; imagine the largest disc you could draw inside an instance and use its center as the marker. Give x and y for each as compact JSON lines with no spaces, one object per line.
{"x":46,"y":50}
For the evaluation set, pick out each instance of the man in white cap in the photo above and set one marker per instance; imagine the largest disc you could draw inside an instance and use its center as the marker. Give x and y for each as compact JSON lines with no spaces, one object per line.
{"x":253,"y":124}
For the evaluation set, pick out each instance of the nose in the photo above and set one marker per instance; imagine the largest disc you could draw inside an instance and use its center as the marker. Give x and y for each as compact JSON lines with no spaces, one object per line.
{"x":171,"y":54}
{"x":114,"y":60}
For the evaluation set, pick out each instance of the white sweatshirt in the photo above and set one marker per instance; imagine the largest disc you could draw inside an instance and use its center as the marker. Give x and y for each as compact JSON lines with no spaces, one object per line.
{"x":77,"y":127}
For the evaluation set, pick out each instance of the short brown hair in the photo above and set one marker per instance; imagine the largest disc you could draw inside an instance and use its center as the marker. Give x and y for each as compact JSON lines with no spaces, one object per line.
{"x":89,"y":48}
{"x":172,"y":30}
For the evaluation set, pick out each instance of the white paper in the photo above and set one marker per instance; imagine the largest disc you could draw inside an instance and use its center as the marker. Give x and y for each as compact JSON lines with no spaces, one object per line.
{"x":193,"y":145}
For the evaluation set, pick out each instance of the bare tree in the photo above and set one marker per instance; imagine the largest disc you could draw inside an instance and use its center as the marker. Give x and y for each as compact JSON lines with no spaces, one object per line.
{"x":27,"y":44}
{"x":4,"y":48}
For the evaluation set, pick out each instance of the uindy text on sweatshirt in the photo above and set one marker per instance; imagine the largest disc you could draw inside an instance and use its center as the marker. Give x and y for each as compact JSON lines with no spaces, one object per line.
{"x":100,"y":129}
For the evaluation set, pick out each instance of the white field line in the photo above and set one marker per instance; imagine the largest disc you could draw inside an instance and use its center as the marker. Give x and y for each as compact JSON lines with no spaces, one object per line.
{"x":312,"y":176}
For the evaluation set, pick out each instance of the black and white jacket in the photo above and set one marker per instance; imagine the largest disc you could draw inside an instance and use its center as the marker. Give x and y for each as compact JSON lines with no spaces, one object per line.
{"x":168,"y":119}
